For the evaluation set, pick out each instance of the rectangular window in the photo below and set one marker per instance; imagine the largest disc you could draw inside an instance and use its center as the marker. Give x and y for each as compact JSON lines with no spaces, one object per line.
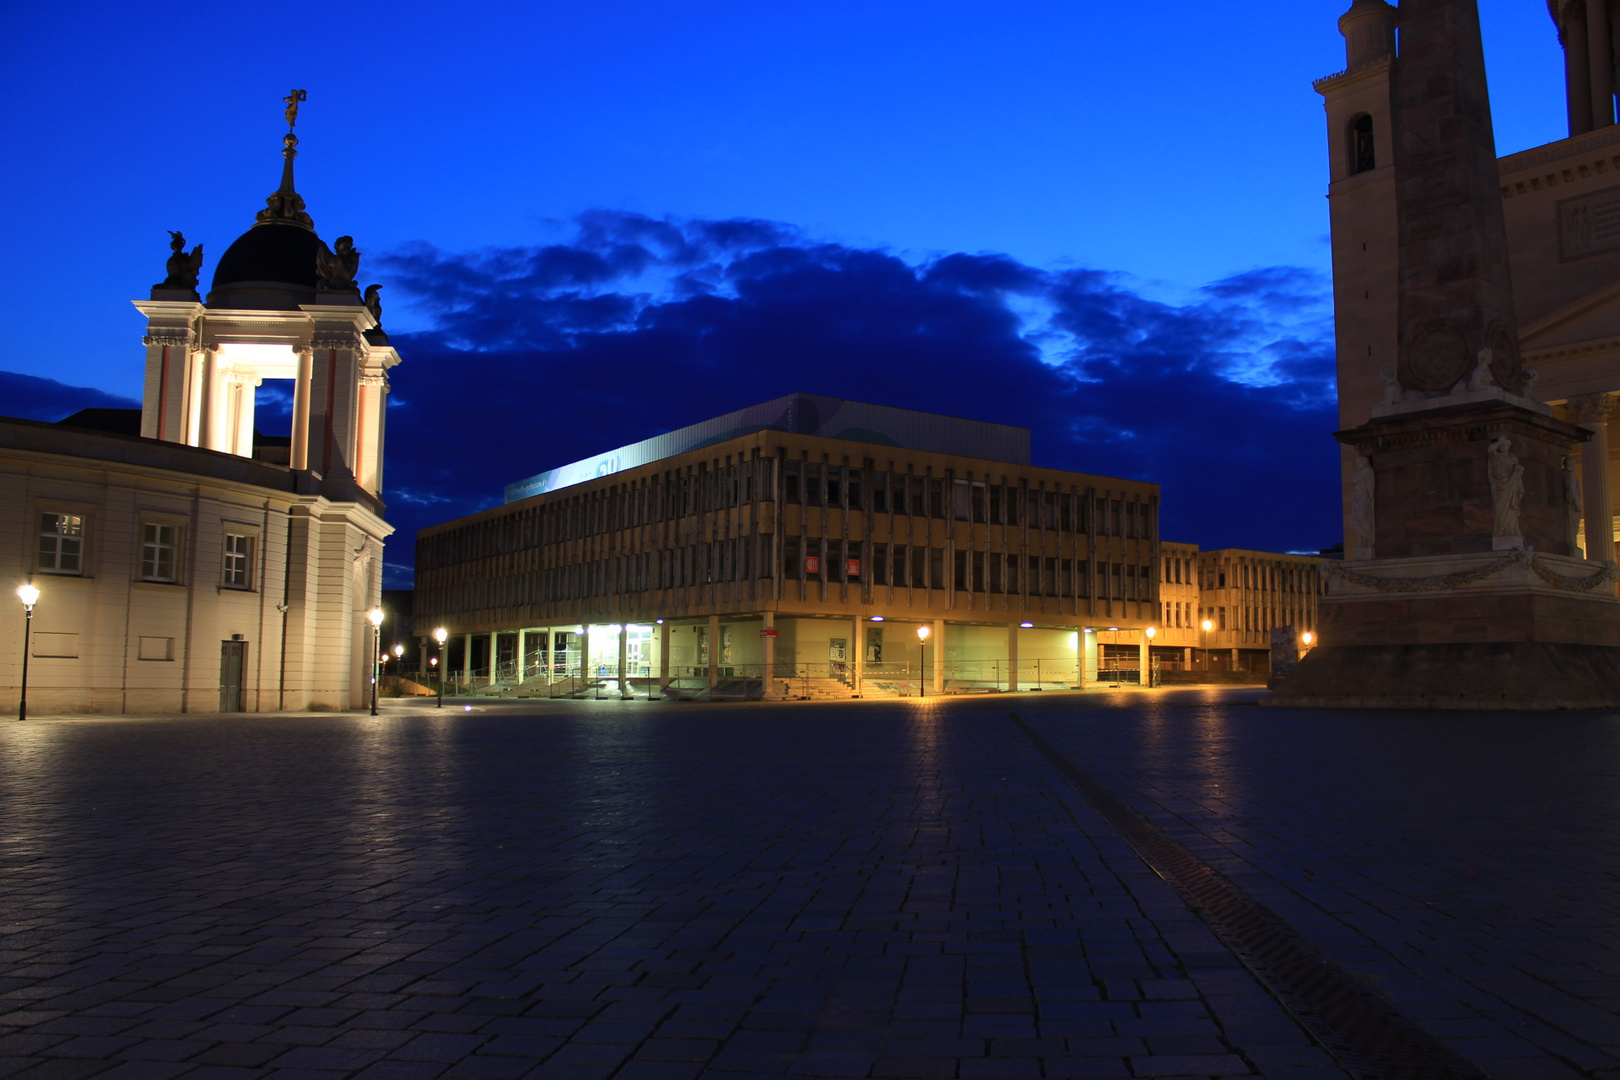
{"x":880,"y":493}
{"x":1051,"y":577}
{"x":961,"y":498}
{"x":961,"y":571}
{"x":880,"y":561}
{"x":159,"y":544}
{"x":61,"y":543}
{"x":790,"y":483}
{"x":936,"y":498}
{"x":238,"y":561}
{"x":919,"y":506}
{"x":1081,"y":586}
{"x":854,"y":491}
{"x":812,"y":490}
{"x":936,"y":568}
{"x":835,"y":493}
{"x":919,"y":570}
{"x":1012,"y":574}
{"x":995,"y":573}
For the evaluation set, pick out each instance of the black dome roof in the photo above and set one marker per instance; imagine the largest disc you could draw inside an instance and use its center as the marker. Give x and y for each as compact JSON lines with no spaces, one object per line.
{"x":270,"y":252}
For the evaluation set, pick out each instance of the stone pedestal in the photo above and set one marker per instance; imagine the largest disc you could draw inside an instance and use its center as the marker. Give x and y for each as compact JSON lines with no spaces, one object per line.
{"x":1458,"y":608}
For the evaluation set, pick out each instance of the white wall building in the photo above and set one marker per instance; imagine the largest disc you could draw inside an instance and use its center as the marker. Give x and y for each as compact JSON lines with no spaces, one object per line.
{"x":178,"y":571}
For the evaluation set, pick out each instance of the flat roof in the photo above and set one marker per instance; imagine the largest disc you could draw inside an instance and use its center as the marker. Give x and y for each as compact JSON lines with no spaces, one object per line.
{"x":799,"y":414}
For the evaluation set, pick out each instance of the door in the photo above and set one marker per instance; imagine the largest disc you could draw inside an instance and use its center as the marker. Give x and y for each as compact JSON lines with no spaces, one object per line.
{"x":232,"y":661}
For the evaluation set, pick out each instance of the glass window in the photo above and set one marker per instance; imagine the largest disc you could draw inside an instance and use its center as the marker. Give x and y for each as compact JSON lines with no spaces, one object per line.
{"x":61,"y":543}
{"x":880,"y":493}
{"x":158,"y":546}
{"x":238,"y":561}
{"x":960,"y":501}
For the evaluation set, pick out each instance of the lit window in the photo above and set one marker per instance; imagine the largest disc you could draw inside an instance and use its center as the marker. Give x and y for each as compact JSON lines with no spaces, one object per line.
{"x":61,"y":543}
{"x":158,"y":545}
{"x":238,"y":561}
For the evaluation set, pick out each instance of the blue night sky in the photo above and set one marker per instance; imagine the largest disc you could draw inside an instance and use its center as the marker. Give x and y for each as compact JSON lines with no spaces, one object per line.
{"x":596,"y":222}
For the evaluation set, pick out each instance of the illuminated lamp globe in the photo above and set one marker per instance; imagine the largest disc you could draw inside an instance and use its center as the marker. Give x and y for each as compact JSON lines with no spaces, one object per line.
{"x":1307,"y":637}
{"x":1152,"y":632}
{"x":376,"y":616}
{"x":28,"y":595}
{"x":923,"y":631}
{"x":1208,"y":625}
{"x":440,"y":635}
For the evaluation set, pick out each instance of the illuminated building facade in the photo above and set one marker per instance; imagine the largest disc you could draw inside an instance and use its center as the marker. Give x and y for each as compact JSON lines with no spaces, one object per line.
{"x":794,"y":549}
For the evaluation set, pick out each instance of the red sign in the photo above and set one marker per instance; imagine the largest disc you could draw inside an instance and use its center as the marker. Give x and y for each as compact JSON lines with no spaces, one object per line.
{"x":769,"y":631}
{"x":852,"y":567}
{"x":812,"y":564}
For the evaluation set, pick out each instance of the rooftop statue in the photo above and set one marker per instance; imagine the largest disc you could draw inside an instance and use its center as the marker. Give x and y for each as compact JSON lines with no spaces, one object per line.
{"x":337,"y":265}
{"x":183,"y":268}
{"x":373,"y":302}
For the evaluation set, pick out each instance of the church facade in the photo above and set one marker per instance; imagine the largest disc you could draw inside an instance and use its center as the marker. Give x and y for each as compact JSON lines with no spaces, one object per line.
{"x":1561,"y":208}
{"x":183,"y":564}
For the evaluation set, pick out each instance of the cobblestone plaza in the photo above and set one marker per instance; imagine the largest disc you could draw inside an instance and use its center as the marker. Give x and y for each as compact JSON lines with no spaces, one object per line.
{"x":905,"y":889}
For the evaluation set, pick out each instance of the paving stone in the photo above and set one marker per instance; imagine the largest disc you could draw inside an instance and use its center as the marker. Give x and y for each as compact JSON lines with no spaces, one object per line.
{"x":573,"y":888}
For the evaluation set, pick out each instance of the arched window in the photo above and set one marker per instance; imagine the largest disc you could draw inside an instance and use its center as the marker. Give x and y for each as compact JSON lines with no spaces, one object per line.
{"x":1362,"y":154}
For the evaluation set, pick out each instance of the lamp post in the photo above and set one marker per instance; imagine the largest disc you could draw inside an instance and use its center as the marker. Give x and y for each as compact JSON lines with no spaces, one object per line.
{"x":1147,"y":661}
{"x":440,"y":635}
{"x":376,"y":617}
{"x":29,"y":597}
{"x":1207,"y":625}
{"x":922,"y":658}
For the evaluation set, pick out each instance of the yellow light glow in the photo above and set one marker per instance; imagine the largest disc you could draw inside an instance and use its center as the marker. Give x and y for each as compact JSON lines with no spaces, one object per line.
{"x":399,"y":650}
{"x":1307,"y":637}
{"x":1152,"y":632}
{"x":923,"y":631}
{"x":440,"y":635}
{"x":376,"y":616}
{"x":28,"y":595}
{"x":1208,"y":625}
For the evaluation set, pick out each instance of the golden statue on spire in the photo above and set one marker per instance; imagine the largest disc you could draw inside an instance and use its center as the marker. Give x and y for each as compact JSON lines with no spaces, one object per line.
{"x":292,"y":101}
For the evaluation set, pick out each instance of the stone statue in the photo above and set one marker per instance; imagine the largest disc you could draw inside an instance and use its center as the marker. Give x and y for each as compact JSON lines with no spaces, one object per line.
{"x":1527,"y":387}
{"x":1573,"y":507}
{"x":1392,"y":385}
{"x":373,"y":302}
{"x":337,"y":265}
{"x":1507,"y":486}
{"x":1361,"y":507}
{"x":1481,"y":376}
{"x":183,"y":268}
{"x":292,"y":101}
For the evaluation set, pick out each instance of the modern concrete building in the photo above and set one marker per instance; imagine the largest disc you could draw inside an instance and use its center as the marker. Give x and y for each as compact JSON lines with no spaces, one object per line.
{"x":796,"y":548}
{"x":182,"y":564}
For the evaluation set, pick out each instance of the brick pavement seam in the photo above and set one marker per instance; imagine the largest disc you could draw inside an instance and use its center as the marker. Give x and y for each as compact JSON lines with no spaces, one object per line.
{"x":1354,"y":1023}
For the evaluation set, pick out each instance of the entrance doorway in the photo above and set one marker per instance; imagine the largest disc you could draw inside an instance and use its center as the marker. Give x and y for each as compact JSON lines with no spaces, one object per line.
{"x":232,"y":661}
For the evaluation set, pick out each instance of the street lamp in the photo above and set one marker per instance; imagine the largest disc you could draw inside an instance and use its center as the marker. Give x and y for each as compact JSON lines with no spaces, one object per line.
{"x":440,"y":635}
{"x":376,"y":617}
{"x":29,"y":597}
{"x":1307,"y":637}
{"x":922,"y":658}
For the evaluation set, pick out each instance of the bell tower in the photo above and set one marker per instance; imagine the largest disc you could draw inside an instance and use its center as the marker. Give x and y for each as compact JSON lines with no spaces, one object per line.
{"x":1361,"y":205}
{"x":284,"y":305}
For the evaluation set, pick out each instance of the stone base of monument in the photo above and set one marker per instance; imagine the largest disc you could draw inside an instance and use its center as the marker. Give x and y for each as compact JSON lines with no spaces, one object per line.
{"x":1522,"y":675}
{"x":1477,"y":597}
{"x":1484,"y":630}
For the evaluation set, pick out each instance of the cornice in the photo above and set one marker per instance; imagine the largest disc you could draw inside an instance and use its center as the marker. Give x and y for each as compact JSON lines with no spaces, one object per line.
{"x":1581,"y":158}
{"x":1349,"y":75}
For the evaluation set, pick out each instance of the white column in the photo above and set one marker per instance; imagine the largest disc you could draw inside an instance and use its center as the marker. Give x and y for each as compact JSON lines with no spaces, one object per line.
{"x":938,"y":639}
{"x":522,"y":657}
{"x":466,"y":660}
{"x":770,"y":650}
{"x":584,"y":650}
{"x":208,"y":434}
{"x":1592,"y":411}
{"x":663,"y":656}
{"x":494,"y":654}
{"x":299,"y":451}
{"x":1144,"y":659}
{"x":858,"y":643}
{"x":1012,"y":658}
{"x":624,"y":659}
{"x":714,"y":651}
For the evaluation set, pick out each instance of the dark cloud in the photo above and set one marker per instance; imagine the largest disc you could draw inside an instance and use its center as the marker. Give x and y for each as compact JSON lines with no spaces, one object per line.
{"x":32,"y":398}
{"x":634,"y":326}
